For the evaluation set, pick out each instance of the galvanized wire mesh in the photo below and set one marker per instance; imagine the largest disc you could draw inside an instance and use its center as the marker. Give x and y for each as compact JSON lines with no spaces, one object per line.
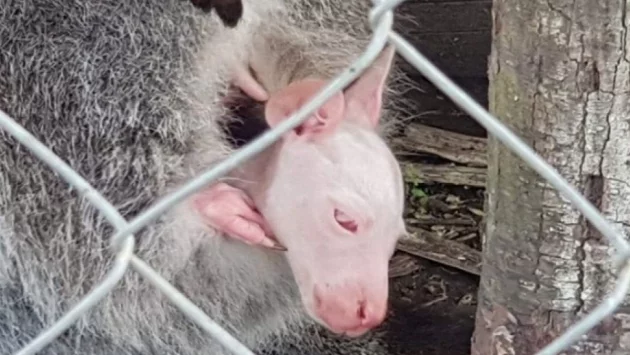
{"x":381,"y":20}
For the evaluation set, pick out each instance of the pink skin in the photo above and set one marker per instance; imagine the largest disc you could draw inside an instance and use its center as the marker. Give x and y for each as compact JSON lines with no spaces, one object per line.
{"x":244,"y":80}
{"x":331,"y":191}
{"x":234,"y":213}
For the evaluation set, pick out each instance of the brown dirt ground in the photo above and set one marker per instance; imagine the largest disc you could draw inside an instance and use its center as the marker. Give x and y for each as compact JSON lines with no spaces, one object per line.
{"x":433,"y":308}
{"x":432,"y":311}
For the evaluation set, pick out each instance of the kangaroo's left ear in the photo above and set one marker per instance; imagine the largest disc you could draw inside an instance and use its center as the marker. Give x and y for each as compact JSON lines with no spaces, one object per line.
{"x":284,"y":102}
{"x":364,"y":98}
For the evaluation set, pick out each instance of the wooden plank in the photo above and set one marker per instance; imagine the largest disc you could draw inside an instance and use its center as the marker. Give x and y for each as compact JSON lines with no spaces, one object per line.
{"x":445,"y":252}
{"x":446,"y":174}
{"x":464,"y":55}
{"x":445,"y":1}
{"x":455,"y":35}
{"x":435,"y":109}
{"x":455,"y":147}
{"x":446,"y":17}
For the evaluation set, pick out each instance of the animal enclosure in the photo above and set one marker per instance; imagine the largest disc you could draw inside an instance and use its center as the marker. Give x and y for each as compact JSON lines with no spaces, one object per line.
{"x":445,"y":201}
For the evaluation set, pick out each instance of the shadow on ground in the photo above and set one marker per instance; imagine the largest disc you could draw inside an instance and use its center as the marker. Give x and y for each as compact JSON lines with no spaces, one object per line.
{"x":432,"y":311}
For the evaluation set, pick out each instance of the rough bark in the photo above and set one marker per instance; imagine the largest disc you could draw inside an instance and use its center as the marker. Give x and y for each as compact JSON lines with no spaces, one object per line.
{"x":559,"y":76}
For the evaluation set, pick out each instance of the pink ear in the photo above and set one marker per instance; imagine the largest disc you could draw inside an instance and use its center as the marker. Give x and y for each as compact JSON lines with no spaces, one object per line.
{"x":284,"y":102}
{"x":364,"y":98}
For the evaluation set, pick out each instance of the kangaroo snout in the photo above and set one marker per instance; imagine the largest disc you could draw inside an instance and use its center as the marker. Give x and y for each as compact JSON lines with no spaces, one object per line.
{"x":348,"y":309}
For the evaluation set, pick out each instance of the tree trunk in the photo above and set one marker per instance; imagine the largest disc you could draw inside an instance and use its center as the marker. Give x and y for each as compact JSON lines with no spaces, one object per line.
{"x":559,"y":76}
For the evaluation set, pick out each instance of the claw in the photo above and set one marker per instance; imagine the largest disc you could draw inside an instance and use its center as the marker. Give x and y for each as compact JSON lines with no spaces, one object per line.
{"x":271,"y":242}
{"x":278,"y":247}
{"x":244,"y":80}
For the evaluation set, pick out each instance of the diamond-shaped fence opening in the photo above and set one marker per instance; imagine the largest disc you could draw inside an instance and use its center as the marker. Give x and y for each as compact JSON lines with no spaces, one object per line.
{"x":381,"y":20}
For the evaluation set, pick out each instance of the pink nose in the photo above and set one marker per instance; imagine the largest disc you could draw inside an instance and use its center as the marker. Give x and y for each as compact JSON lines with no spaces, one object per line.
{"x":346,"y":309}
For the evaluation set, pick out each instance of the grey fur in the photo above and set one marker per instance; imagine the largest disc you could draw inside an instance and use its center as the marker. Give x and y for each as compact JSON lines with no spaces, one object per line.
{"x":127,"y":93}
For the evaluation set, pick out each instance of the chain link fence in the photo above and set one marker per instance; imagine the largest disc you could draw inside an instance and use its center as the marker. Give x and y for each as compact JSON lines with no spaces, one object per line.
{"x":381,"y":20}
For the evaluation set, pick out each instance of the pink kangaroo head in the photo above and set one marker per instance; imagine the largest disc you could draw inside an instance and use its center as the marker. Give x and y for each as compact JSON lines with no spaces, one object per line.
{"x":336,"y":200}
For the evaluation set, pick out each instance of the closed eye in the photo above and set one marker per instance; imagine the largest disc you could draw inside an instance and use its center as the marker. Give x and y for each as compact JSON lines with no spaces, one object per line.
{"x":346,"y":222}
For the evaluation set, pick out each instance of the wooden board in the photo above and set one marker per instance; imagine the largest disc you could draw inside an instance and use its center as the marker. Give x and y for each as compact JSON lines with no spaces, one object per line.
{"x":456,"y":37}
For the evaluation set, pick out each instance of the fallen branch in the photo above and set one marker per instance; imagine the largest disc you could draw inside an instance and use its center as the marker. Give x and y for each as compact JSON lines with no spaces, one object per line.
{"x":456,"y":147}
{"x":402,"y":265}
{"x":435,"y":221}
{"x":445,"y":174}
{"x":457,"y":255}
